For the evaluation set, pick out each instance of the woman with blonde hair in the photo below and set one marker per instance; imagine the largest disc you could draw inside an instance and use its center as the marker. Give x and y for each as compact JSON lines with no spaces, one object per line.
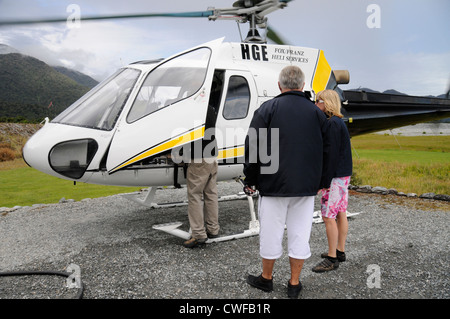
{"x":336,"y":178}
{"x":330,"y":103}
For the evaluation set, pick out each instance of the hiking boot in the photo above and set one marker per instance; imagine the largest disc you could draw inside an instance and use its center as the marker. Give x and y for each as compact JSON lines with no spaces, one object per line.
{"x":294,"y":291}
{"x":340,"y":256}
{"x":212,"y":236}
{"x":193,"y":242}
{"x":325,"y":265}
{"x":260,"y":282}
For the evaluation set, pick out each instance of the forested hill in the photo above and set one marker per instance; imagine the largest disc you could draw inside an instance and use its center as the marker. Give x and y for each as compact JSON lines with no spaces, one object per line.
{"x":31,"y":89}
{"x":79,"y":77}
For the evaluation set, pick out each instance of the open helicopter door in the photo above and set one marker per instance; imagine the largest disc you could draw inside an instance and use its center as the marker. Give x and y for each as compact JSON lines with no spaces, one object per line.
{"x":236,"y":111}
{"x":169,"y":110}
{"x":239,"y":101}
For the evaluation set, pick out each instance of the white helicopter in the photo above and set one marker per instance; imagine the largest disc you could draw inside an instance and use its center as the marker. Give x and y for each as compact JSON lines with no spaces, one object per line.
{"x":122,"y":132}
{"x":125,"y":130}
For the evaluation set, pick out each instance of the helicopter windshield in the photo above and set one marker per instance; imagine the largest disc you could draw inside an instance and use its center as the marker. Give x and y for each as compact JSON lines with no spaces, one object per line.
{"x":100,"y":108}
{"x":172,"y":81}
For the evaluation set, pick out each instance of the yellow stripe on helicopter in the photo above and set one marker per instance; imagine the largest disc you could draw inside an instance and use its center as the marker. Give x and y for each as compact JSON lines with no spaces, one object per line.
{"x":177,"y":141}
{"x":322,"y":74}
{"x":231,"y":153}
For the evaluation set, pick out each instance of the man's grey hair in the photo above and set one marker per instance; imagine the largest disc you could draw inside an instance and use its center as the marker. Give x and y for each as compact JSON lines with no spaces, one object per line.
{"x":291,"y":77}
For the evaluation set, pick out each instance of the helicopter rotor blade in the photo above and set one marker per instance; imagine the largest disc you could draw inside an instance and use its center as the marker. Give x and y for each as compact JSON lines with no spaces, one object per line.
{"x":274,"y":37}
{"x":240,"y":10}
{"x":195,"y":14}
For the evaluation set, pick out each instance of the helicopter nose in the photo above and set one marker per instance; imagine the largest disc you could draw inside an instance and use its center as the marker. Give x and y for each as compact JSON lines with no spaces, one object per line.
{"x":24,"y":150}
{"x":54,"y":152}
{"x":35,"y":154}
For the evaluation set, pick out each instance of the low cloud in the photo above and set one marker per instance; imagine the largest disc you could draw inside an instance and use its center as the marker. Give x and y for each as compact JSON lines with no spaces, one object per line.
{"x":97,"y":49}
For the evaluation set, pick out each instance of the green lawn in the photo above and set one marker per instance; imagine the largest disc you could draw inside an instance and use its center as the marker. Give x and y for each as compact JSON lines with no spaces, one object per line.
{"x":410,"y":164}
{"x":398,"y":155}
{"x":26,"y":186}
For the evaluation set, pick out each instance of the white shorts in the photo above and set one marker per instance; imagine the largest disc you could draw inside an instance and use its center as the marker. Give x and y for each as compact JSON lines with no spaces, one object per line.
{"x":296,"y":213}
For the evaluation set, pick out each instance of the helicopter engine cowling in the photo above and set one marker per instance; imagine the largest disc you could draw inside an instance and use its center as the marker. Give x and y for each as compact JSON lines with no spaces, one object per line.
{"x":342,"y":76}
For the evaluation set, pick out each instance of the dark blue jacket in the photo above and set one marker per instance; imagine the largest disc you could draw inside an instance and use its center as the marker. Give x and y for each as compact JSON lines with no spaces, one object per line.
{"x":302,"y":146}
{"x":340,"y":162}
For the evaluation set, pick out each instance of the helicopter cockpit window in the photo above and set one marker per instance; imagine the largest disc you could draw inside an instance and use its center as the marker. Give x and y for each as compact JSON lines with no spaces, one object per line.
{"x":172,"y":81}
{"x":238,"y":99}
{"x":100,"y":108}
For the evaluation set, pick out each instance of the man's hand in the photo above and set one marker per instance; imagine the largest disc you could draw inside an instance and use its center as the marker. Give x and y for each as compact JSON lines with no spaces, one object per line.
{"x":249,"y":190}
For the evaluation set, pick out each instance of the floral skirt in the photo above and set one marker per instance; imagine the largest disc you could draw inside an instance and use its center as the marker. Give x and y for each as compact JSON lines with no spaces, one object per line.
{"x":335,"y":199}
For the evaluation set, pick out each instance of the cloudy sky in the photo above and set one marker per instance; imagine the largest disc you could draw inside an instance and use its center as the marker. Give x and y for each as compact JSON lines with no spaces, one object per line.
{"x":385,"y":44}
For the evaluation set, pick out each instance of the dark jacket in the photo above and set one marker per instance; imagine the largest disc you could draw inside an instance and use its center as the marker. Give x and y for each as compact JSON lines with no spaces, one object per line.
{"x":340,"y":155}
{"x":301,"y":146}
{"x":207,"y":146}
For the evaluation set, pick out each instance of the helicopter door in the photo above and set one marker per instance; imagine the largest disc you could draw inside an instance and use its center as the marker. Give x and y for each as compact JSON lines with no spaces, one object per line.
{"x":233,"y":120}
{"x":169,"y":110}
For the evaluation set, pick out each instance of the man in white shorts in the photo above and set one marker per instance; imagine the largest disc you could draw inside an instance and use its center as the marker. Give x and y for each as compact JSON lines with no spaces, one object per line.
{"x":286,"y":193}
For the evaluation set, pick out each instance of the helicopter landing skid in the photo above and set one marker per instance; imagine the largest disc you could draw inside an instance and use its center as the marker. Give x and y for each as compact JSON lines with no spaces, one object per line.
{"x":146,"y":201}
{"x":253,"y":230}
{"x":172,"y":228}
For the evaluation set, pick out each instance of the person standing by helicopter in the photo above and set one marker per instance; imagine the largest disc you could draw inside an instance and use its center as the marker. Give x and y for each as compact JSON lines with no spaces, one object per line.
{"x":201,"y":178}
{"x":286,"y":194}
{"x":334,"y":198}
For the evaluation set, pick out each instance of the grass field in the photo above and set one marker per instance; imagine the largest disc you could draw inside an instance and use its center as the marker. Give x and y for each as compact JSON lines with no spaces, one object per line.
{"x":419,"y":164}
{"x":410,"y":164}
{"x":24,"y":186}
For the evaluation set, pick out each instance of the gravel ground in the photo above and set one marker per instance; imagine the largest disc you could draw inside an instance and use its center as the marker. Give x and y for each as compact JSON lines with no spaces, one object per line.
{"x":397,"y":248}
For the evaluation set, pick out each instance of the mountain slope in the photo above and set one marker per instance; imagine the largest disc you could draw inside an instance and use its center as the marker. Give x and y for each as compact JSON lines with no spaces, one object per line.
{"x":79,"y":77}
{"x":28,"y":87}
